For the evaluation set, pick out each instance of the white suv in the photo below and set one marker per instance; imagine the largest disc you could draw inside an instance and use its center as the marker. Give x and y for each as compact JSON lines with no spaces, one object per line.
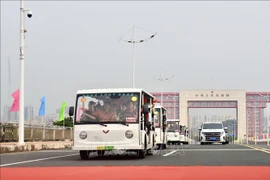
{"x":211,"y":132}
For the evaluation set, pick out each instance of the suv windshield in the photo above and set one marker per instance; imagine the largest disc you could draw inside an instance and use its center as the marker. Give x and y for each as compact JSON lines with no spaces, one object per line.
{"x":212,"y":126}
{"x":107,"y":108}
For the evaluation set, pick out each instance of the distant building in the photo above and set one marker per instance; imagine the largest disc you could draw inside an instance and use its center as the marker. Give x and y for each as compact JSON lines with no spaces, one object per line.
{"x":14,"y":116}
{"x":10,"y":116}
{"x":28,"y":113}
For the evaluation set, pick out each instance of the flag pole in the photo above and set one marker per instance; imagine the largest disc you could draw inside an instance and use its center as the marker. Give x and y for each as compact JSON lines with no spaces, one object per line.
{"x":42,"y":122}
{"x":64,"y":124}
{"x":45,"y":108}
{"x":44,"y":117}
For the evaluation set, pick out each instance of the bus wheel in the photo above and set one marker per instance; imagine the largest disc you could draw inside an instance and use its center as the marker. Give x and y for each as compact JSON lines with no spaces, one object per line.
{"x":142,"y":152}
{"x":84,"y":155}
{"x":101,"y":152}
{"x":150,"y":151}
{"x":164,"y":146}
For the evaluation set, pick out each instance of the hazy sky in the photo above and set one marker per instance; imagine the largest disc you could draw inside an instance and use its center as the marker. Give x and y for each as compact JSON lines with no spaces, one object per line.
{"x":75,"y":45}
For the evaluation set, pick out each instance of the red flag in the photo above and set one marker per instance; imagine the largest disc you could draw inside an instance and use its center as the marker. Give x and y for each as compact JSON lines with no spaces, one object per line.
{"x":16,"y":103}
{"x":79,"y":113}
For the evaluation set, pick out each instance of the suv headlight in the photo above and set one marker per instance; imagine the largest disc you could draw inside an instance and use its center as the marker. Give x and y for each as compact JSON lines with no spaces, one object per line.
{"x":221,"y":133}
{"x":83,"y":135}
{"x":129,"y":134}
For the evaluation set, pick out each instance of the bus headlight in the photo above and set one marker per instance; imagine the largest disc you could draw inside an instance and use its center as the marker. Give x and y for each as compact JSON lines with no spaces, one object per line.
{"x":83,"y":135}
{"x":129,"y":134}
{"x":175,"y":135}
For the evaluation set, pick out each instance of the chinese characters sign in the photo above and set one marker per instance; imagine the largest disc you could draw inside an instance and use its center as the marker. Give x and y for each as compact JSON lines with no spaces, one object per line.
{"x":212,"y":104}
{"x":212,"y":95}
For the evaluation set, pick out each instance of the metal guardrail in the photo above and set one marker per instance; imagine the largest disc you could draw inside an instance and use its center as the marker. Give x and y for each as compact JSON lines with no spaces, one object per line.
{"x":9,"y":133}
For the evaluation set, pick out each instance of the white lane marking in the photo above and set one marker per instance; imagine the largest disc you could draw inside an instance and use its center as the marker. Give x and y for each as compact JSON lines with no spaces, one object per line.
{"x":169,"y":153}
{"x":55,"y":151}
{"x":259,"y":149}
{"x":39,"y":151}
{"x":35,"y":160}
{"x":218,"y":149}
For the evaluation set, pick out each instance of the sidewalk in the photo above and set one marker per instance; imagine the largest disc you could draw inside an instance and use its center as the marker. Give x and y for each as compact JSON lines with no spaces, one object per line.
{"x":34,"y":146}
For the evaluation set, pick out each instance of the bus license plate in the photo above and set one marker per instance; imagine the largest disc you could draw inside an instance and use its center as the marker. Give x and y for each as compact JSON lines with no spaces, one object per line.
{"x":212,"y":138}
{"x":105,"y":148}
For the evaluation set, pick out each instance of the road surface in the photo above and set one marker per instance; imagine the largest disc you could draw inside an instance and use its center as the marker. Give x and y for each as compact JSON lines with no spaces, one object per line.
{"x":186,"y":156}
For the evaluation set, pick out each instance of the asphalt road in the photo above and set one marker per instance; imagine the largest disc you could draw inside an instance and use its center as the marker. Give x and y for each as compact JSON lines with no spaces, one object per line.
{"x":186,"y":155}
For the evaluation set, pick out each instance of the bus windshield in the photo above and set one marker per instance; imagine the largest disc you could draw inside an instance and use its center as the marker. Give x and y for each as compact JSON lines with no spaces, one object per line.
{"x":157,"y":117}
{"x":173,"y":126}
{"x":107,"y":108}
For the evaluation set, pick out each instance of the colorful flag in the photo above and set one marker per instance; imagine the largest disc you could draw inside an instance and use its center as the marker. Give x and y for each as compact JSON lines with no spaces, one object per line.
{"x":80,"y":110}
{"x":42,"y":108}
{"x":16,"y":103}
{"x":62,"y":111}
{"x":79,"y":114}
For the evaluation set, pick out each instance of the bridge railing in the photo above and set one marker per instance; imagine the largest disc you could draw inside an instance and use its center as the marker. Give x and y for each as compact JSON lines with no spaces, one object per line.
{"x":9,"y":133}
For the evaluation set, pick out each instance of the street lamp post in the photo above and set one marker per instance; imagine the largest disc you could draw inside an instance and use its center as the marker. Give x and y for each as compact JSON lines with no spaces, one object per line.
{"x":162,"y":79}
{"x":22,"y":32}
{"x":267,"y":121}
{"x":133,"y":50}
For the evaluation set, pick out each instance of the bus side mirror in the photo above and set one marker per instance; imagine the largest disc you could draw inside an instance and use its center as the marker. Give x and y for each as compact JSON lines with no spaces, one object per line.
{"x":71,"y":111}
{"x":145,"y":109}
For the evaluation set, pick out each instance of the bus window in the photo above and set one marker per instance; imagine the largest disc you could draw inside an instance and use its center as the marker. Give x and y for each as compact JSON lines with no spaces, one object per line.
{"x":157,"y":118}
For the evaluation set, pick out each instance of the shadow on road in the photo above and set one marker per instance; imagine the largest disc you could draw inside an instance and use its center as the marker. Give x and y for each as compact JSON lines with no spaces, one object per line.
{"x":114,"y":156}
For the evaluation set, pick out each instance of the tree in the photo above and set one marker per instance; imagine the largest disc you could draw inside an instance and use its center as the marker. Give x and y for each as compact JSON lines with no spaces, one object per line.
{"x":68,"y":122}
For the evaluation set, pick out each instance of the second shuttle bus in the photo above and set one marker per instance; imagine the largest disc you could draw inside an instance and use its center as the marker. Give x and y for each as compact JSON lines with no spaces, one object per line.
{"x":160,"y":126}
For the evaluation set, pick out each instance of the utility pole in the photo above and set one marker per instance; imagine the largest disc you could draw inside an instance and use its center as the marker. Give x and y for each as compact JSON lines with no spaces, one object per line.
{"x":22,"y":34}
{"x":133,"y":41}
{"x":162,"y":79}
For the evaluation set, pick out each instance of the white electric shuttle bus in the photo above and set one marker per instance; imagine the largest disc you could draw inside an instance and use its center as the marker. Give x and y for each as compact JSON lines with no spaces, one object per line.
{"x":173,"y":131}
{"x":113,"y":119}
{"x":184,"y":134}
{"x":160,"y":126}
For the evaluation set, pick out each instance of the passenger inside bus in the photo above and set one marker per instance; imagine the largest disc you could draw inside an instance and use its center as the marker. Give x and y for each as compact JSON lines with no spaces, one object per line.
{"x":129,"y":111}
{"x":88,"y":114}
{"x":116,"y":107}
{"x":106,"y":109}
{"x":106,"y":114}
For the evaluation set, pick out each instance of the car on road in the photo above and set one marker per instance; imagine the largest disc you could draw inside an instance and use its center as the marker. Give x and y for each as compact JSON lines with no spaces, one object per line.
{"x":213,"y":132}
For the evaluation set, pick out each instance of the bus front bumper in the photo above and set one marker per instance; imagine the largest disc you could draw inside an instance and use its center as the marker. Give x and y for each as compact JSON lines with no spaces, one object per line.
{"x":108,"y":147}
